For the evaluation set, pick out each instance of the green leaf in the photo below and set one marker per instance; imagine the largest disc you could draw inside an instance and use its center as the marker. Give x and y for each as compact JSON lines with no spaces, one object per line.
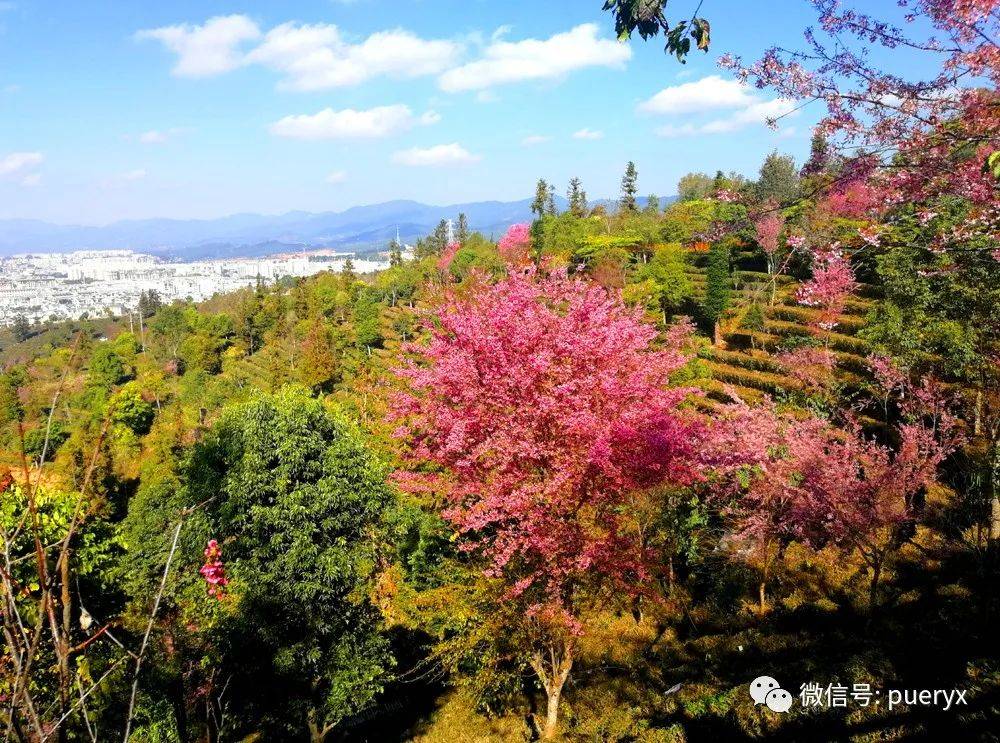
{"x":992,"y":164}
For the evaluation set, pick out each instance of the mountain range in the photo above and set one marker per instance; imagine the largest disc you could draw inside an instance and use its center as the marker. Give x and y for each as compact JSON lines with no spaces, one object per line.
{"x":361,"y":228}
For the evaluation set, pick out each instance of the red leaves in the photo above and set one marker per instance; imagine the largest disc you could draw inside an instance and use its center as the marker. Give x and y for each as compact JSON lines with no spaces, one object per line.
{"x":545,"y":401}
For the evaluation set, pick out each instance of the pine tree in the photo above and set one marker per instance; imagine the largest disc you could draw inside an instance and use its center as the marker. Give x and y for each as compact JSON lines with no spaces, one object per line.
{"x":395,"y":254}
{"x":550,"y":201}
{"x":541,"y":198}
{"x":819,"y":156}
{"x":652,"y":204}
{"x":21,"y":328}
{"x":440,"y":237}
{"x":463,"y":229}
{"x":630,"y":188}
{"x":577,"y":198}
{"x":149,"y":303}
{"x":347,"y":275}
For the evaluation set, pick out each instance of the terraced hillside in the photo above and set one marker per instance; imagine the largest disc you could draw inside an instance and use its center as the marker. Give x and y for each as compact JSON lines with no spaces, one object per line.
{"x":764,"y":319}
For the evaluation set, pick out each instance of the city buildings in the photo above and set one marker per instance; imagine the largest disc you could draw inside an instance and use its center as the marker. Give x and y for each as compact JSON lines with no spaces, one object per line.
{"x":50,"y":286}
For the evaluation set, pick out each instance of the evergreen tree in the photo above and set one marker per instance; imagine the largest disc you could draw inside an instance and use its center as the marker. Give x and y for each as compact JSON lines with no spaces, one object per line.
{"x":541,"y":198}
{"x":819,"y":155}
{"x":652,"y":204}
{"x":439,"y":238}
{"x":395,"y":254}
{"x":149,"y":302}
{"x":718,"y":284}
{"x":779,"y":179}
{"x":347,"y":275}
{"x":577,"y":198}
{"x":630,"y":188}
{"x":550,"y":201}
{"x":21,"y":328}
{"x":463,"y":229}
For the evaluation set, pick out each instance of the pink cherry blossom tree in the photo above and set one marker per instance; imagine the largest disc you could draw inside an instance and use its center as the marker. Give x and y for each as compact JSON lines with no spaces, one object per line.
{"x":768,"y":229}
{"x":542,"y":402}
{"x":515,"y":245}
{"x":913,"y":136}
{"x":831,"y":284}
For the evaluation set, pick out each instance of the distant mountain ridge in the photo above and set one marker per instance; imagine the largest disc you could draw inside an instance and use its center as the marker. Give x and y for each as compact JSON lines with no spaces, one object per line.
{"x":247,"y":235}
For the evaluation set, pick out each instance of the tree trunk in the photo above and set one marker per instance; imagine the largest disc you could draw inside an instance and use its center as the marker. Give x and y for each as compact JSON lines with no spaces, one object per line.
{"x":552,"y":715}
{"x":993,"y":479}
{"x":316,"y":732}
{"x":873,"y":586}
{"x":553,"y":673}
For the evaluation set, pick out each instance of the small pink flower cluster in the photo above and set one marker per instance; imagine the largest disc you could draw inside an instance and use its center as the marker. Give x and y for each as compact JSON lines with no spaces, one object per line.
{"x":213,"y":571}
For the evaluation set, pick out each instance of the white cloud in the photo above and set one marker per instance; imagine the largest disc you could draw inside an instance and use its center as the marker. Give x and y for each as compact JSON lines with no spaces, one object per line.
{"x":316,"y":56}
{"x":31,"y":180}
{"x":588,"y":134}
{"x":442,"y":154}
{"x":534,"y":139}
{"x":373,"y":123}
{"x":18,"y":162}
{"x":758,"y":113}
{"x":133,"y":175}
{"x":209,"y":49}
{"x":506,"y":62}
{"x":160,"y":136}
{"x":337,"y":176}
{"x":711,"y":92}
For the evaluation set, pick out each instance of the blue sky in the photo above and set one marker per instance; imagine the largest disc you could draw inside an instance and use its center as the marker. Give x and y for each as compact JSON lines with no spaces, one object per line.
{"x":112,"y":110}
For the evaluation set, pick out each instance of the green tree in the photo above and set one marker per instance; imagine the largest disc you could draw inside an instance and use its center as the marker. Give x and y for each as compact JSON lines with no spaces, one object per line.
{"x":317,"y":365}
{"x":300,"y":508}
{"x":819,"y":156}
{"x":779,"y":179}
{"x":693,"y":186}
{"x":668,"y":271}
{"x":21,"y":328}
{"x":718,"y":283}
{"x":107,"y":369}
{"x":577,"y":198}
{"x":538,"y":206}
{"x":149,"y":302}
{"x":367,"y":320}
{"x":462,"y":235}
{"x":395,"y":254}
{"x":132,"y":410}
{"x":347,"y":275}
{"x":630,"y":188}
{"x":170,"y":327}
{"x":652,"y":205}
